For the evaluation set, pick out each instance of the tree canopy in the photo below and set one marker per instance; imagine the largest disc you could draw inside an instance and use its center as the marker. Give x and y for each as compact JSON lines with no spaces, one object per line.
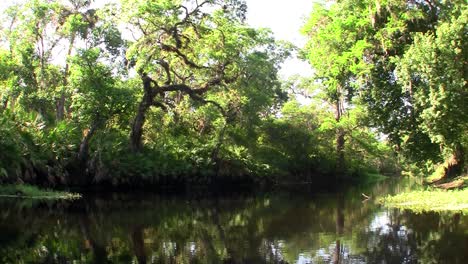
{"x":406,"y":62}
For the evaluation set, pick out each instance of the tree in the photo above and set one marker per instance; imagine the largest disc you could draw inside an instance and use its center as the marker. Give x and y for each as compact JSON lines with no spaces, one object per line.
{"x":392,"y":54}
{"x":97,"y":98}
{"x":38,"y":31}
{"x":434,"y":70}
{"x":336,"y":40}
{"x":390,"y":107}
{"x":396,"y":90}
{"x":185,"y":49}
{"x":31,"y":39}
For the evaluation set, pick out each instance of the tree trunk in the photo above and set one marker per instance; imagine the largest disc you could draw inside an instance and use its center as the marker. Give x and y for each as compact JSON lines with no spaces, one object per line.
{"x":215,"y":153}
{"x":61,"y":106}
{"x":455,"y":164}
{"x":84,"y":145}
{"x":137,"y":126}
{"x":340,"y":144}
{"x":340,"y":140}
{"x":79,"y":174}
{"x":61,"y":102}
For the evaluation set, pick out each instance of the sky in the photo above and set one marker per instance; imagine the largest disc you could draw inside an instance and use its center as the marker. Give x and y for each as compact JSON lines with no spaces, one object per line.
{"x":284,"y":18}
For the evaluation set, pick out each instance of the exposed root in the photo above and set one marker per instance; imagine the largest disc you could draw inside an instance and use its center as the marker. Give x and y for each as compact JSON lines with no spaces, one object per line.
{"x":457,"y":183}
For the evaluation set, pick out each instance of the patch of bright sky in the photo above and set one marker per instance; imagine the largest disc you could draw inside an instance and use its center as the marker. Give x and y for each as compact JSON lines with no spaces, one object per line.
{"x":284,"y":18}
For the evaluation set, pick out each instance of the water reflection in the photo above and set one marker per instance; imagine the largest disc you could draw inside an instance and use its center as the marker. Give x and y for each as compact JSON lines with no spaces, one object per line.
{"x":272,"y":228}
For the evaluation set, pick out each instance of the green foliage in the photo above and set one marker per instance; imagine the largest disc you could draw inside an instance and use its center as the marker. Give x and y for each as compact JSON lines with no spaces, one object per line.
{"x":215,"y":108}
{"x":22,"y":137}
{"x":335,"y":47}
{"x":97,"y":94}
{"x":10,"y":152}
{"x":433,"y":69}
{"x":405,"y":61}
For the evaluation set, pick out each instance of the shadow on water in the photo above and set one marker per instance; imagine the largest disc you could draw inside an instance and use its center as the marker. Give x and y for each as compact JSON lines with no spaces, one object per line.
{"x":280,"y":227}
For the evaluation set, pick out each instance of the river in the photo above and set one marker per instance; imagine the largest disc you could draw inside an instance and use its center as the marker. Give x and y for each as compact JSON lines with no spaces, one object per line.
{"x":296,"y":226}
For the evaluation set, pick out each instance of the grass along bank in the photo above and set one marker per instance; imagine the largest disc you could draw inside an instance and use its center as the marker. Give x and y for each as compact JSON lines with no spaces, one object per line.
{"x":429,"y":200}
{"x":33,"y":192}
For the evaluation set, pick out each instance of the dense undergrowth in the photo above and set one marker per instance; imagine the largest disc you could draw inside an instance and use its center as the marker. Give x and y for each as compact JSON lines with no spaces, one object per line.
{"x":287,"y":152}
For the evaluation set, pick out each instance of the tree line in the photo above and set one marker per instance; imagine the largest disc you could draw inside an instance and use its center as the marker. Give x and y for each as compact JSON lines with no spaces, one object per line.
{"x":186,"y":92}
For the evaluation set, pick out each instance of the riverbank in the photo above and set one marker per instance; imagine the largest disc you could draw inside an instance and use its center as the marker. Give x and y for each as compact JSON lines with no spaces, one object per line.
{"x":24,"y":191}
{"x":432,"y":199}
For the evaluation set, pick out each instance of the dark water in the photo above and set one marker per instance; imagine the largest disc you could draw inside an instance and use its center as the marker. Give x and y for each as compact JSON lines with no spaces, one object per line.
{"x":280,"y":227}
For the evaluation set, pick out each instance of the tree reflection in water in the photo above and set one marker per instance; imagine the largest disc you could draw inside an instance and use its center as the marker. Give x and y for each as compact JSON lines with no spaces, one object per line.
{"x":279,"y":228}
